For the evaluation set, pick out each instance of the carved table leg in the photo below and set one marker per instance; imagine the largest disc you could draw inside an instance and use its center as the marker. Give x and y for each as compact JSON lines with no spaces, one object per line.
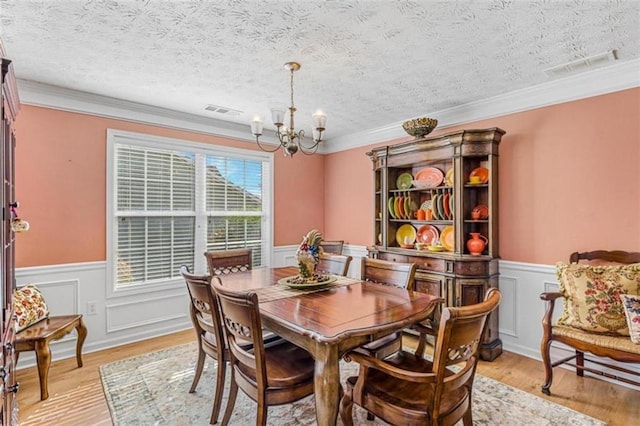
{"x":43,"y":358}
{"x":327,"y":389}
{"x":81,"y":329}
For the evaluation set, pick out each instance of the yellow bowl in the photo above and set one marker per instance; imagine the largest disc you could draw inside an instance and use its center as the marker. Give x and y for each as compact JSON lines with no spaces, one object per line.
{"x":435,"y":248}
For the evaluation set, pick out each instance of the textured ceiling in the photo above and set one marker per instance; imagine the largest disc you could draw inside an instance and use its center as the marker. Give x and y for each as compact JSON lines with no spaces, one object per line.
{"x":365,"y":63}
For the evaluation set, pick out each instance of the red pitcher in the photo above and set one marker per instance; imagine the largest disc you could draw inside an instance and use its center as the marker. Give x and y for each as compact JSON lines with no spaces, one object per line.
{"x":477,"y":243}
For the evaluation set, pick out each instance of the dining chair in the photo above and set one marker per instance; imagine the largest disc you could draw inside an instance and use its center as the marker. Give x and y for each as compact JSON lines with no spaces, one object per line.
{"x":408,"y":389}
{"x":334,"y":247}
{"x":205,"y":315}
{"x":229,"y":261}
{"x":335,"y":264}
{"x":387,"y":273}
{"x":273,"y":374}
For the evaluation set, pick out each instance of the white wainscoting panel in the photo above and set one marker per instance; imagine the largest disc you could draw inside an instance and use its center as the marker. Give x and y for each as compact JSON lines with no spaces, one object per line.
{"x":68,"y":288}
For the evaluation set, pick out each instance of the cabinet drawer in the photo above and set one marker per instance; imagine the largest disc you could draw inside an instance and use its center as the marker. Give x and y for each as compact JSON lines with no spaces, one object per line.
{"x":393,"y":257}
{"x":472,"y":268}
{"x":428,"y":263}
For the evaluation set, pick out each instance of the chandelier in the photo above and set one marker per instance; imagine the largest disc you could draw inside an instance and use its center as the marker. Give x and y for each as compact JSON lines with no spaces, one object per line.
{"x":290,"y":140}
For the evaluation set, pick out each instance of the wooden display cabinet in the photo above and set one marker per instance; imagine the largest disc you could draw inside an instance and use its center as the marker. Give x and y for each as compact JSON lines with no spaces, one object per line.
{"x":9,"y":103}
{"x":455,"y":274}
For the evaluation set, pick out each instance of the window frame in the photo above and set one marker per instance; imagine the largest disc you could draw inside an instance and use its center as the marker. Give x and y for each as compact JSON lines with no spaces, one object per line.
{"x":115,"y":137}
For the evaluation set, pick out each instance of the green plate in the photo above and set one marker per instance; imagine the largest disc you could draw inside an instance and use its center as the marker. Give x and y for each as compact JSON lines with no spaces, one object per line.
{"x":404,"y":181}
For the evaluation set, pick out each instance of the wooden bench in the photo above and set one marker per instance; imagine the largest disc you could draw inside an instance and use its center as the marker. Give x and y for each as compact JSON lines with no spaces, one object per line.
{"x":38,"y":336}
{"x":618,"y":348}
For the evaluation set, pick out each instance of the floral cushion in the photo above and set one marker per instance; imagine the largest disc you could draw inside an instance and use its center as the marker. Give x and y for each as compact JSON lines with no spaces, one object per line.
{"x":593,"y":299}
{"x":631,"y":306}
{"x":29,"y":306}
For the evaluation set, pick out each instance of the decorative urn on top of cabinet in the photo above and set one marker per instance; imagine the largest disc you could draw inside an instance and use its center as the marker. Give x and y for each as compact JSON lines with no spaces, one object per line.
{"x":454,"y":179}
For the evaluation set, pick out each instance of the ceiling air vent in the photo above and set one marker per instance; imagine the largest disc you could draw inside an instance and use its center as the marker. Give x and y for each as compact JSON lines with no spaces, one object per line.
{"x":583,"y":64}
{"x":222,"y":110}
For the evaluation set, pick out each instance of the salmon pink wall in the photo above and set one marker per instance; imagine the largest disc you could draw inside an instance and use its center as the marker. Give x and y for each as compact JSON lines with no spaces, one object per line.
{"x":569,"y":180}
{"x":61,"y":185}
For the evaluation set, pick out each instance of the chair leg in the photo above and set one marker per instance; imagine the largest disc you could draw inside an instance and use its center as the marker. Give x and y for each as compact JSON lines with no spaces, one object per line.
{"x":217,"y":399}
{"x":346,"y":410}
{"x":43,"y":358}
{"x":199,"y":368}
{"x":233,"y":392}
{"x":262,"y":411}
{"x":545,"y":347}
{"x":81,"y":329}
{"x":580,"y":363}
{"x":467,"y":419}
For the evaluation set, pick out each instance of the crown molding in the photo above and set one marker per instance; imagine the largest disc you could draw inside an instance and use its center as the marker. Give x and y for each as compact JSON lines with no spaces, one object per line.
{"x":588,"y":84}
{"x":45,"y":95}
{"x":592,"y":83}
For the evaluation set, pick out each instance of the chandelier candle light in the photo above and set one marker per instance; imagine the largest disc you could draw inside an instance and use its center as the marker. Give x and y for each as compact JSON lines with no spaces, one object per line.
{"x":290,"y":140}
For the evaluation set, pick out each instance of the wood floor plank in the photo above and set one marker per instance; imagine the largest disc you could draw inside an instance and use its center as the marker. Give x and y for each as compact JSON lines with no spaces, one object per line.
{"x":72,"y":388}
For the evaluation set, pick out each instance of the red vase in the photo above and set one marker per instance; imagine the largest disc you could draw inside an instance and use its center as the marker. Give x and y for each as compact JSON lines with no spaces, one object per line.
{"x":476,"y":243}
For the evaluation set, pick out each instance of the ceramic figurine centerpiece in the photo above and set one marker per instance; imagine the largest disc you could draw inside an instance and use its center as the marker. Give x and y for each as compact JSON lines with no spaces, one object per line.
{"x":307,"y":254}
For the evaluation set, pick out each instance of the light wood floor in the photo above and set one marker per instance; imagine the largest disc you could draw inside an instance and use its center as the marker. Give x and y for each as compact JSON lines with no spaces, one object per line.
{"x":76,"y":396}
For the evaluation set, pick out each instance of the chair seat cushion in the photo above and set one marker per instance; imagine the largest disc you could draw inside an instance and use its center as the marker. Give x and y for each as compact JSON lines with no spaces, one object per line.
{"x":620,"y":343}
{"x":593,"y":296}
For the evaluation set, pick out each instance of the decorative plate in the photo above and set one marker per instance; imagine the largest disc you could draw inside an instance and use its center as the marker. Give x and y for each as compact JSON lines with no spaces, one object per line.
{"x":451,"y":203}
{"x":448,"y":178}
{"x":482,"y":173}
{"x":431,"y":175}
{"x":404,"y":181}
{"x":482,"y":210}
{"x":407,"y":208}
{"x":426,"y":205}
{"x":445,"y":206}
{"x":300,"y":283}
{"x":400,"y":207}
{"x":447,"y":238}
{"x":406,"y":231}
{"x":391,"y":210}
{"x":427,"y":234}
{"x":434,"y":207}
{"x":396,"y":207}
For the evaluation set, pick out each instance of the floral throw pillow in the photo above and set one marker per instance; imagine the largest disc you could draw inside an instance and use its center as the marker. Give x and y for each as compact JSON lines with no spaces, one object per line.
{"x":632,"y":310}
{"x":29,"y":306}
{"x":593,"y":299}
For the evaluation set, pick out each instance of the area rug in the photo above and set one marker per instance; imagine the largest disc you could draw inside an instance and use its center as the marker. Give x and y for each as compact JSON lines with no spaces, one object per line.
{"x":152,"y":389}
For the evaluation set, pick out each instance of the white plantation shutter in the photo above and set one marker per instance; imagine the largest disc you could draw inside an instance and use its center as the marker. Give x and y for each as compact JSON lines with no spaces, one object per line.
{"x":171,"y":202}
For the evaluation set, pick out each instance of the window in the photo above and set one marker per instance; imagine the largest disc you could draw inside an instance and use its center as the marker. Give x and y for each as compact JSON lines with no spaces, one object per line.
{"x":169,"y":201}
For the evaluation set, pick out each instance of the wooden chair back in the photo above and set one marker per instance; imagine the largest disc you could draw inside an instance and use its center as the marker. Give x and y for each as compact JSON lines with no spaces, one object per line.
{"x":603,"y":257}
{"x":387,"y":272}
{"x":207,"y":323}
{"x":335,"y":264}
{"x":271,"y":374}
{"x":205,"y":313}
{"x":333,"y":247}
{"x":458,"y":342}
{"x":229,"y":261}
{"x":241,"y":316}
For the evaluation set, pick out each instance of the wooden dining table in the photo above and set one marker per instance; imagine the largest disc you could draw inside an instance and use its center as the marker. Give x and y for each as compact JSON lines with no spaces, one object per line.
{"x":328,"y":321}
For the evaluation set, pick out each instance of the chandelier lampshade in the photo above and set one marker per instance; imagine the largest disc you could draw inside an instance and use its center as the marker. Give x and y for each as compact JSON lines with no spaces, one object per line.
{"x":290,"y":140}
